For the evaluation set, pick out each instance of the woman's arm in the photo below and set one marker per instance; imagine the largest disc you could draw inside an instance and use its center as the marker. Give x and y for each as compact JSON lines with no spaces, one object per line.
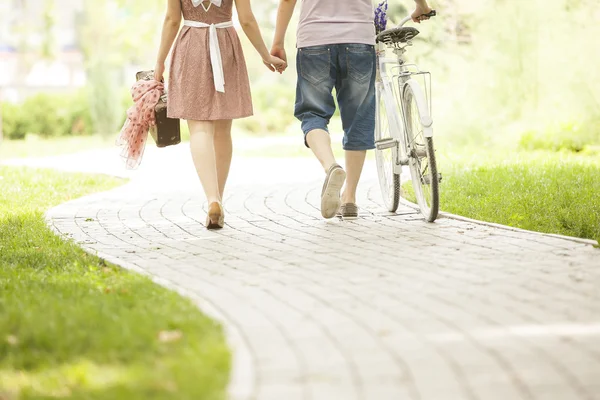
{"x":169,"y":32}
{"x":252,"y":31}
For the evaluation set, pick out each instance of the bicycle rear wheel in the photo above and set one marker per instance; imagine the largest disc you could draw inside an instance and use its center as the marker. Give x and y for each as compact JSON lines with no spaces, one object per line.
{"x":386,"y":134}
{"x":421,"y":155}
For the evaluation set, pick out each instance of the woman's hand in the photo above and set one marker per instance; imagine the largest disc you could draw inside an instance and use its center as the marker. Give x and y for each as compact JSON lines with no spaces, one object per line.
{"x":159,"y":71}
{"x":275,"y":64}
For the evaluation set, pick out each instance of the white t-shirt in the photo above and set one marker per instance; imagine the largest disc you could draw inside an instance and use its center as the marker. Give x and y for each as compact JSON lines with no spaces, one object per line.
{"x":336,"y":21}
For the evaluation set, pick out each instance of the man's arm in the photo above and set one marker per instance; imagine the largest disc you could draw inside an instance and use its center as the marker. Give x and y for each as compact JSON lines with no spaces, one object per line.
{"x":284,"y":15}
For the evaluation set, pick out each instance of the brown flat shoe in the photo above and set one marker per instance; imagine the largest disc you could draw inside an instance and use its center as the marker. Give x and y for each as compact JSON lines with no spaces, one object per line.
{"x":216,"y":217}
{"x":348,"y":211}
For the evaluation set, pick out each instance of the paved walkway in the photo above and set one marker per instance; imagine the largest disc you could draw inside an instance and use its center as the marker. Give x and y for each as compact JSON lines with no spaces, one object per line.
{"x":386,"y":307}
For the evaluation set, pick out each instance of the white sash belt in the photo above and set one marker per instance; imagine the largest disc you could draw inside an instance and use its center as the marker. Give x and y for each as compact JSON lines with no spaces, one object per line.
{"x":215,"y":51}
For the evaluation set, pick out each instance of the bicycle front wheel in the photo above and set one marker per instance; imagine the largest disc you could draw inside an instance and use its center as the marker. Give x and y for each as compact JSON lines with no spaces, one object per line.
{"x":421,"y":154}
{"x":386,"y":153}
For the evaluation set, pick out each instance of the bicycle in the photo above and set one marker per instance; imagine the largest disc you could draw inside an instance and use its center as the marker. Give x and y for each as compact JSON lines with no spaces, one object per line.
{"x":403,"y":131}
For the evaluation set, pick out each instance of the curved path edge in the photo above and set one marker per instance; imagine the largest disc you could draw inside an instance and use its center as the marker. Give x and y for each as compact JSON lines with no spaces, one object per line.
{"x":444,"y":214}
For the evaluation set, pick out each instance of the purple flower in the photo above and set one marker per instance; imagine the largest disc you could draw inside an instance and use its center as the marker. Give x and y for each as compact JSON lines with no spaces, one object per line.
{"x":381,"y":16}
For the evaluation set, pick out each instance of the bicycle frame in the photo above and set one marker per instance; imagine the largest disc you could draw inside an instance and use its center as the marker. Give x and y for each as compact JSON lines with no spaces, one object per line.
{"x":404,"y":74}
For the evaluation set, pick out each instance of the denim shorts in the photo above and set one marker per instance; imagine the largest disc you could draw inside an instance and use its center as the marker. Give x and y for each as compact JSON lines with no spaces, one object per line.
{"x":351,"y":69}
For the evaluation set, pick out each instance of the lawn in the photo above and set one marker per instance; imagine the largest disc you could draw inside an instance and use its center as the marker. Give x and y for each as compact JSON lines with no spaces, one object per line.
{"x":285,"y":145}
{"x":540,"y":191}
{"x":74,"y":327}
{"x":35,"y":146}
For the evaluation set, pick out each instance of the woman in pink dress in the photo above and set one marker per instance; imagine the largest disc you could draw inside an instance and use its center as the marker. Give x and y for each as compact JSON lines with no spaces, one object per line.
{"x":208,"y":83}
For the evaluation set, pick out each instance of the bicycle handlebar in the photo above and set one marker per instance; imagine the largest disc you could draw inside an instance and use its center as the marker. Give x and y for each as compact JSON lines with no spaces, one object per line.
{"x":430,"y":14}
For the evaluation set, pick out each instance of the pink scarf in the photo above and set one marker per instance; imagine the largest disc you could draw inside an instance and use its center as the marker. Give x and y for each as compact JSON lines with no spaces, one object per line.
{"x":140,"y":118}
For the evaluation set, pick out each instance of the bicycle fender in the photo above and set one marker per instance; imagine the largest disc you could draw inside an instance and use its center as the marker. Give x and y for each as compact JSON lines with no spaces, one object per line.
{"x":424,"y":115}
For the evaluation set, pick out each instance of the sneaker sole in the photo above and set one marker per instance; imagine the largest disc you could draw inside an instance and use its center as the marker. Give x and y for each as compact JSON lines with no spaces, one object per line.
{"x":331,"y":201}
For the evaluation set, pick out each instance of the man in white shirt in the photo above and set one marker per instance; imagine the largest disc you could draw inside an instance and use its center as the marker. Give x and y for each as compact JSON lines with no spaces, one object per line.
{"x":336,"y":48}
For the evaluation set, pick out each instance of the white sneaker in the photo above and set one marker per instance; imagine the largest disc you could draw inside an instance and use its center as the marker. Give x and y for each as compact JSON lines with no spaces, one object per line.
{"x":330,"y":196}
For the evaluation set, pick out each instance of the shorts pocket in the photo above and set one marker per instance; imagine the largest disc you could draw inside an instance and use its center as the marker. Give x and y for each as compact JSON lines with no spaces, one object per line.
{"x":360,"y":59}
{"x":315,"y":63}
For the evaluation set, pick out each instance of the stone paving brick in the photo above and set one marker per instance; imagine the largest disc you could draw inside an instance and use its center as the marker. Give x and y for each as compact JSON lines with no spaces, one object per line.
{"x":386,"y":307}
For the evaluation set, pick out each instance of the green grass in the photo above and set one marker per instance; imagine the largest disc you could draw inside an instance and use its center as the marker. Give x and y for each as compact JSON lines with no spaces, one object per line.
{"x":73,"y":327}
{"x":539,"y":191}
{"x":35,"y":146}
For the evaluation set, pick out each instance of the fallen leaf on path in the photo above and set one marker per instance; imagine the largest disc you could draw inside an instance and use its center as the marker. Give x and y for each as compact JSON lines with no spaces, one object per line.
{"x":169,"y":336}
{"x":12,"y":340}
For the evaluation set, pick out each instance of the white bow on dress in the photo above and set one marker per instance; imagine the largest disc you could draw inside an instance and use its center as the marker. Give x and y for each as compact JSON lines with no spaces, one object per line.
{"x":217,"y":3}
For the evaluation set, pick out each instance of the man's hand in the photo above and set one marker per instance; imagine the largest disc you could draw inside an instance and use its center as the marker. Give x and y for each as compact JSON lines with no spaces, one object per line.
{"x":419,"y":14}
{"x":279,"y":52}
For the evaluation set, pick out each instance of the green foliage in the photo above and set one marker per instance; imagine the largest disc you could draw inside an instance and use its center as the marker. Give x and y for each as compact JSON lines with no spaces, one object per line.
{"x":499,"y":67}
{"x":273,"y":108}
{"x":573,"y":137}
{"x":504,"y":67}
{"x":111,"y":37}
{"x":14,"y":121}
{"x":74,"y":327}
{"x":48,"y":115}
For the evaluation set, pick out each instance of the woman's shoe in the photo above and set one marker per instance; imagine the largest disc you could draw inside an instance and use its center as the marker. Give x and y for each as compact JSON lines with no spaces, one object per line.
{"x":216,"y":217}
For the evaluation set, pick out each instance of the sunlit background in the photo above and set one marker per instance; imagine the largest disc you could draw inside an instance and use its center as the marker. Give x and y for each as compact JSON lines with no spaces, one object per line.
{"x":505,"y":72}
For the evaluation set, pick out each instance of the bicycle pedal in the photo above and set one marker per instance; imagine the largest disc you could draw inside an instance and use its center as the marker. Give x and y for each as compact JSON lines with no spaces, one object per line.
{"x":386,"y":144}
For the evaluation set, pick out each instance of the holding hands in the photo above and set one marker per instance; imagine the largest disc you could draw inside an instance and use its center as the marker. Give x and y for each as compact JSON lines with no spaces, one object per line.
{"x":277,"y":60}
{"x":275,"y":63}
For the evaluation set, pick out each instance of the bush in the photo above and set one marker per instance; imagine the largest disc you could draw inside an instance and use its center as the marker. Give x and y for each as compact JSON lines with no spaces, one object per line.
{"x":572,"y":137}
{"x":48,"y":115}
{"x":14,"y":124}
{"x":273,"y":108}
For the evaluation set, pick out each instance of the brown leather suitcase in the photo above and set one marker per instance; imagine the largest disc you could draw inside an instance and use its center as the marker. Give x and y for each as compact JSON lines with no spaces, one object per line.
{"x":167,"y":130}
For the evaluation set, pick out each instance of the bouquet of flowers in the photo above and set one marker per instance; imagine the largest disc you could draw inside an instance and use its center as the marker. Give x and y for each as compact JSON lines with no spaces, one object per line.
{"x":381,"y":16}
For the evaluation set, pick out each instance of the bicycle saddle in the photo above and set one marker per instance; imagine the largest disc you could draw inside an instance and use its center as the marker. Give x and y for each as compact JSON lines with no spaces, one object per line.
{"x":397,"y":35}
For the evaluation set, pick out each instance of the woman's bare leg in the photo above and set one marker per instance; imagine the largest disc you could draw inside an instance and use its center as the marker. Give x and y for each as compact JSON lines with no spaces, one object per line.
{"x":223,"y":152}
{"x":202,"y":145}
